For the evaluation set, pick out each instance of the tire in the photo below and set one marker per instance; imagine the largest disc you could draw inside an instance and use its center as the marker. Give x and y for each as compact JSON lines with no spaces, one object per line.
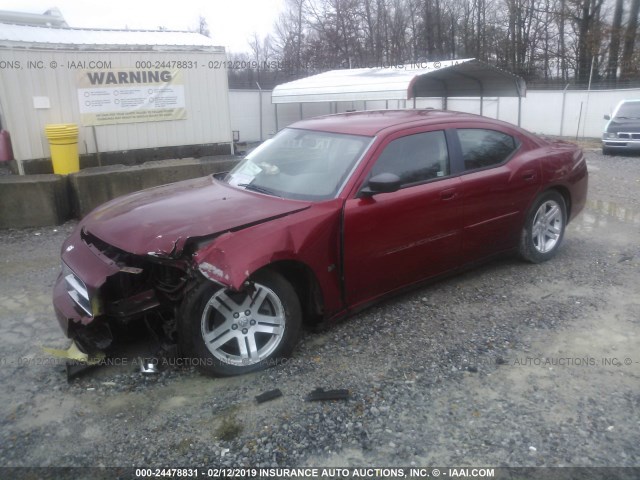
{"x":544,"y":228}
{"x":228,"y":333}
{"x":606,"y":151}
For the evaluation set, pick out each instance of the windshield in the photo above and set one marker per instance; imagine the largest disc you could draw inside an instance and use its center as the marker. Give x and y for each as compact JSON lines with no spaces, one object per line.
{"x":300,"y":164}
{"x":629,"y":110}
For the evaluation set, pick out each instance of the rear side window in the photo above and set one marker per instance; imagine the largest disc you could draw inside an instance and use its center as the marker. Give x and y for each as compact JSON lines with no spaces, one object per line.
{"x":485,"y":148}
{"x":415,"y":158}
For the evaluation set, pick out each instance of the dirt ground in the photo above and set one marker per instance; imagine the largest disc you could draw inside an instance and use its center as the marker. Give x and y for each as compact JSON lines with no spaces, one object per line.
{"x":510,"y":364}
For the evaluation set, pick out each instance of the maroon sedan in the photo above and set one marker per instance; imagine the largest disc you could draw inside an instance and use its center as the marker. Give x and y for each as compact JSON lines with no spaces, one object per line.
{"x":330,"y":215}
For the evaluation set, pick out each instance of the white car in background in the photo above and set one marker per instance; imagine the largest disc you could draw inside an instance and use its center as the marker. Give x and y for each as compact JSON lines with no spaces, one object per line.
{"x":622,"y":132}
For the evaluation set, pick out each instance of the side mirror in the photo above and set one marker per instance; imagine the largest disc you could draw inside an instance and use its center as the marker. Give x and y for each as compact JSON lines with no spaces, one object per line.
{"x":382,"y":183}
{"x":607,"y":117}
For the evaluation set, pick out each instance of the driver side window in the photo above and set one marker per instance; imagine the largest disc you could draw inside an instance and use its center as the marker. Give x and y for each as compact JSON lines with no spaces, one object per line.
{"x":415,"y":158}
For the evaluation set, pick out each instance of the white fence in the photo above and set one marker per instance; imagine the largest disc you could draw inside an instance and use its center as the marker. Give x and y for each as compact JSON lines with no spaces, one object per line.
{"x":567,"y":113}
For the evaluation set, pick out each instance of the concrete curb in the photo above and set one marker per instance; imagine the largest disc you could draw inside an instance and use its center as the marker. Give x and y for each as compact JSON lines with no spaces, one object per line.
{"x":94,"y":186}
{"x":41,"y":200}
{"x":33,"y":201}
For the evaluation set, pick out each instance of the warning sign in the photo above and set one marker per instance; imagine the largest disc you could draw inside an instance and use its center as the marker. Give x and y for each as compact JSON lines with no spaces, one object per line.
{"x":127,"y":96}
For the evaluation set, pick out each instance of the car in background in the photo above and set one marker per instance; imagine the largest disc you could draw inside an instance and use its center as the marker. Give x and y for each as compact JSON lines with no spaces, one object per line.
{"x":622,"y":132}
{"x":330,"y":216}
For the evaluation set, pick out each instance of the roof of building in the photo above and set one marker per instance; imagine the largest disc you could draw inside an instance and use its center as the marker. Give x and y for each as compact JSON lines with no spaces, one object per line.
{"x":51,"y":18}
{"x":30,"y":36}
{"x":452,"y":78}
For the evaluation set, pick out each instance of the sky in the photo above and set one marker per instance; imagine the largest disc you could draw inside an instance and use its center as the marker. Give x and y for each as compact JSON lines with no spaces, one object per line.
{"x":231,"y":22}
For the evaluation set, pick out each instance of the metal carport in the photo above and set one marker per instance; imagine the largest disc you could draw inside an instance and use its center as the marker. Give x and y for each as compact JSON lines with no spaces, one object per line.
{"x":451,"y":78}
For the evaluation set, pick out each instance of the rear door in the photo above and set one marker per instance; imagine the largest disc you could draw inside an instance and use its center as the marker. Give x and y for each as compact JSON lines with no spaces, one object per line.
{"x":395,"y":239}
{"x":499,"y":180}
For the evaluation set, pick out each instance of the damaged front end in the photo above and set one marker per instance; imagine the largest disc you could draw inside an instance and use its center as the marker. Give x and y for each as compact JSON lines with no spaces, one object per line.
{"x":132,"y":260}
{"x":102,"y":291}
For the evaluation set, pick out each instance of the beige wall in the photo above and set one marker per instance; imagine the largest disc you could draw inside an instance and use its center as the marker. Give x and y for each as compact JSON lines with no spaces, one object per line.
{"x":206,"y":98}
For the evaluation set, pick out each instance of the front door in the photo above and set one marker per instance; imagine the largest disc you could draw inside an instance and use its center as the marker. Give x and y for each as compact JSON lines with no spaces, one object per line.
{"x":398,"y":238}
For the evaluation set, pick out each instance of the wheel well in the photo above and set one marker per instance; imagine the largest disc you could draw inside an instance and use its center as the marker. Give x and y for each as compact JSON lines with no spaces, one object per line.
{"x":304,"y":282}
{"x":566,"y":196}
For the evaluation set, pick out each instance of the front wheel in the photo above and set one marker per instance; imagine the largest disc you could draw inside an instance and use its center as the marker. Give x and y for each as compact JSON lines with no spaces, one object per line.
{"x":544,"y":227}
{"x":231,"y":333}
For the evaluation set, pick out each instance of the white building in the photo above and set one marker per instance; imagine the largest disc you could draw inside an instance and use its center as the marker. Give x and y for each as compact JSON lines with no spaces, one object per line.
{"x":135,"y":95}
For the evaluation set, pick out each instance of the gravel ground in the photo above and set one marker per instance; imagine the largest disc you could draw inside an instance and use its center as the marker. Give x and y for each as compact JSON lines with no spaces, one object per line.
{"x":510,"y":364}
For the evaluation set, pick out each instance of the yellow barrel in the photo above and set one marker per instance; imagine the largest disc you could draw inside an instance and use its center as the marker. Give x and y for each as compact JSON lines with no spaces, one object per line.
{"x":63,"y":141}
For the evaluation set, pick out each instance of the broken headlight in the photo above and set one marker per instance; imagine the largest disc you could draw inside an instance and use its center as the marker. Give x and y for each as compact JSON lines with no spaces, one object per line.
{"x":77,"y":290}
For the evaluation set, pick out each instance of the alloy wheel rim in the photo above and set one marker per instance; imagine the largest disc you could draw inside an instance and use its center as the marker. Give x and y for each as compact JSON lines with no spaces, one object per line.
{"x":547,"y":226}
{"x":244,"y":328}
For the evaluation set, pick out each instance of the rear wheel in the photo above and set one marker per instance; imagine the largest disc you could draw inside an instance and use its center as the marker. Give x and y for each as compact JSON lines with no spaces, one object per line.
{"x":231,"y":333}
{"x":544,"y":227}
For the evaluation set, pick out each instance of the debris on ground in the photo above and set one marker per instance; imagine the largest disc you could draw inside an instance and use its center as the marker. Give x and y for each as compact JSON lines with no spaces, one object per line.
{"x":269,"y":395}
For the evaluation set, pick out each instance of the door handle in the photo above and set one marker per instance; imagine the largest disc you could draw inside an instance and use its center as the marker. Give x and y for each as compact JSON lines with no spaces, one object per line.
{"x":529,"y":175}
{"x":448,"y":194}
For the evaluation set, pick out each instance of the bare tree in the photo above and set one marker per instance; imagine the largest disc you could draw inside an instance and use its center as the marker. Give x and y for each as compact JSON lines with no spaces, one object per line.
{"x":203,"y":27}
{"x":614,"y":45}
{"x":562,"y":50}
{"x":629,"y":68}
{"x":261,"y":53}
{"x":555,"y":40}
{"x":587,"y":20}
{"x":398,"y":26}
{"x":480,"y":7}
{"x":289,"y":40}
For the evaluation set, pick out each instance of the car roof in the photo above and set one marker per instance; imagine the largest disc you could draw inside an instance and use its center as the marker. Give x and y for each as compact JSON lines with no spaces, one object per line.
{"x":371,"y":122}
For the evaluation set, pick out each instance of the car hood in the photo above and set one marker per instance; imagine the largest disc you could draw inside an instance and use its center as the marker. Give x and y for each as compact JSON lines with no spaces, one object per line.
{"x":160,"y":220}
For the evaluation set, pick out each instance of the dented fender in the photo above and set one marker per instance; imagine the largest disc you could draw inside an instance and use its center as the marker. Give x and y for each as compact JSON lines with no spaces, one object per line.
{"x":227,"y":262}
{"x":310,"y":237}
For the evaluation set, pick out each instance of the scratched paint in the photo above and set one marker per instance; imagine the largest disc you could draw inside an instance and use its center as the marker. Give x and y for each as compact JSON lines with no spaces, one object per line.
{"x":208,"y":269}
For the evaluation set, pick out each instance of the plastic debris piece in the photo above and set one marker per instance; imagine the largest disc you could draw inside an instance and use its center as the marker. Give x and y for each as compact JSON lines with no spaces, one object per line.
{"x":270,"y":395}
{"x":74,"y":353}
{"x":320,"y":394}
{"x":149,"y":366}
{"x":75,"y":368}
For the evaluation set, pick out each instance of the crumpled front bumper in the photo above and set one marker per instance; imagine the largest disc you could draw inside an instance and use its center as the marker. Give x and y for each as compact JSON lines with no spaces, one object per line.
{"x":93,"y":269}
{"x":67,"y":312}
